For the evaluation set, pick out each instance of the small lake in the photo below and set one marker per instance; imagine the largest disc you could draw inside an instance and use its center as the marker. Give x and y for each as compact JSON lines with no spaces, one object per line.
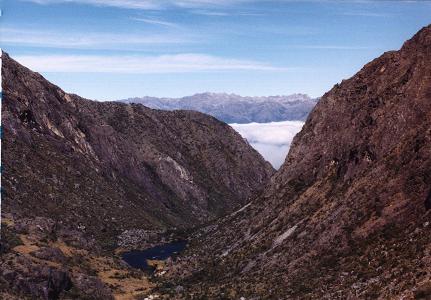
{"x":138,"y":258}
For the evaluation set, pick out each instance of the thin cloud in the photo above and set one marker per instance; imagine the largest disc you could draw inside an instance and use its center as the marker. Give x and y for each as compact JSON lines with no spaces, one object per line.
{"x":163,"y":4}
{"x":330,"y":47}
{"x":367,"y":14}
{"x":129,"y":4}
{"x":226,"y":14}
{"x":155,"y":22}
{"x":211,"y":13}
{"x":179,"y":63}
{"x":206,"y":3}
{"x":145,"y":4}
{"x":52,"y":39}
{"x":251,"y":14}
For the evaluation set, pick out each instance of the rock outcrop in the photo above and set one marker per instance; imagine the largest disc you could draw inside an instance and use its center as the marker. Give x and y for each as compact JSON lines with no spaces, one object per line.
{"x":348,"y":214}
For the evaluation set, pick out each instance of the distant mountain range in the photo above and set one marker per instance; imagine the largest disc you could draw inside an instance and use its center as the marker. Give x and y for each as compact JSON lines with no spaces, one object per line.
{"x":232,"y":108}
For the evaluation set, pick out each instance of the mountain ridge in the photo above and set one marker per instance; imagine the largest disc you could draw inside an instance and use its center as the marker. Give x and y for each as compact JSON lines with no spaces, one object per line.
{"x":347,"y":215}
{"x":82,"y":180}
{"x":146,"y":150}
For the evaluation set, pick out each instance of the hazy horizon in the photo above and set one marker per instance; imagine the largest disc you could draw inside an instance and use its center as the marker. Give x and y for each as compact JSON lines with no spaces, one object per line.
{"x":220,"y":93}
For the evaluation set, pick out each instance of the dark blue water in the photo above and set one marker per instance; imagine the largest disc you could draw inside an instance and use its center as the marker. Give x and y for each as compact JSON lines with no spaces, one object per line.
{"x":138,"y":258}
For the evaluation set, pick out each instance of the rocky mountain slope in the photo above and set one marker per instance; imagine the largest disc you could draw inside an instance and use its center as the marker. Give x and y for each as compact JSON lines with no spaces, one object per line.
{"x":232,"y":108}
{"x":85,"y":158}
{"x":161,"y":168}
{"x":348,"y":214}
{"x":82,"y":178}
{"x":77,"y":173}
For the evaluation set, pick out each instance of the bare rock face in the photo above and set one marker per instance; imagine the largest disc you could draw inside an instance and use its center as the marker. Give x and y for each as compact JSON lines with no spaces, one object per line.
{"x":92,"y":286}
{"x":107,"y":167}
{"x":40,"y":260}
{"x":348,"y":214}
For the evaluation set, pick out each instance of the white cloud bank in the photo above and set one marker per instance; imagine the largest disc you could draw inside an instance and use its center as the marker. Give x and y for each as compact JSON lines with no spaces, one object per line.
{"x":178,"y":63}
{"x":271,"y":140}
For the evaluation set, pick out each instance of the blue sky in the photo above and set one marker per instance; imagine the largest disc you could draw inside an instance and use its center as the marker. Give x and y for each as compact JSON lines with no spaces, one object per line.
{"x":114,"y":49}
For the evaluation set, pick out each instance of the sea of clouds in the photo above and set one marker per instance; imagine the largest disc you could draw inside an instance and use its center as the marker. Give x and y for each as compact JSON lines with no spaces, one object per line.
{"x":271,"y":140}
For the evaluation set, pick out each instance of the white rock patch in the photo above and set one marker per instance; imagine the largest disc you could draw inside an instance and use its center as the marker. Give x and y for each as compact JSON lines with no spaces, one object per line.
{"x":241,"y":209}
{"x":183,"y":172}
{"x":284,"y":236}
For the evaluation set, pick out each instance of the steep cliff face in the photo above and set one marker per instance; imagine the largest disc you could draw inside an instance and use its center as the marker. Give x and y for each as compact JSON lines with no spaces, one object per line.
{"x":107,"y":167}
{"x":347,"y":215}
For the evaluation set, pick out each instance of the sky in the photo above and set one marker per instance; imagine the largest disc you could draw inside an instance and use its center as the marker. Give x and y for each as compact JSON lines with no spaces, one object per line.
{"x":115,"y":49}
